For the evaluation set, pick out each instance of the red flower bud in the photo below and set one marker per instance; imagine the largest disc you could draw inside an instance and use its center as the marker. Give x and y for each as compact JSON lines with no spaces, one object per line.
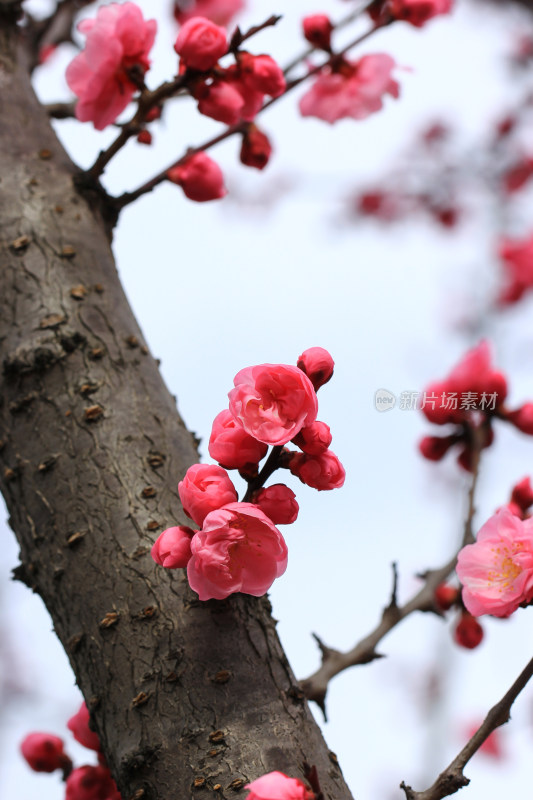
{"x":144,"y":137}
{"x":446,"y":596}
{"x":317,"y":30}
{"x":317,"y":365}
{"x":43,"y":752}
{"x":255,"y":149}
{"x":468,"y":632}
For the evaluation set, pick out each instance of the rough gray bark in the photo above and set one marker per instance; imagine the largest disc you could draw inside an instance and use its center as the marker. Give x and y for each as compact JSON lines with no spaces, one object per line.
{"x":187,"y":697}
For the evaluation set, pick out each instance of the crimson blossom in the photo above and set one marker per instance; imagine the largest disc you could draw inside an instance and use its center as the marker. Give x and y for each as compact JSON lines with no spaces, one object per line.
{"x":497,"y":570}
{"x":105,"y":75}
{"x":351,"y":89}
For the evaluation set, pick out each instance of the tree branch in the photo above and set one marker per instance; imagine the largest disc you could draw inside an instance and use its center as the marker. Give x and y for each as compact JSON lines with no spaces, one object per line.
{"x":128,"y":197}
{"x":333,"y":661}
{"x":452,"y":778}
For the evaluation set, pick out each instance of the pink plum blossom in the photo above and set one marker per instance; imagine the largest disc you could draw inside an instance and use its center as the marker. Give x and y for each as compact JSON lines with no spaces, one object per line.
{"x":43,"y":752}
{"x":219,"y":11}
{"x":278,"y":502}
{"x":317,"y":364}
{"x":79,"y":726}
{"x":239,"y":549}
{"x":172,"y":549}
{"x":355,"y":89}
{"x":118,"y":43}
{"x":205,"y":488}
{"x":201,"y":43}
{"x":231,"y":446}
{"x":497,"y":570}
{"x":277,"y":786}
{"x":322,"y":472}
{"x":273,"y":402}
{"x":200,"y":178}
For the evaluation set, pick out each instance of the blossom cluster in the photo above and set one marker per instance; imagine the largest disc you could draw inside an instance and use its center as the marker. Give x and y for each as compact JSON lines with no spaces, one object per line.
{"x":473,"y":377}
{"x":237,"y":546}
{"x":44,"y":752}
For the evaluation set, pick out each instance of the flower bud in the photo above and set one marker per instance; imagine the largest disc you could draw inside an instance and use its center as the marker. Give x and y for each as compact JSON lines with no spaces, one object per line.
{"x":314,"y":439}
{"x":255,"y":149}
{"x":43,"y":752}
{"x":144,"y":137}
{"x":522,"y":418}
{"x":173,"y":547}
{"x":220,"y":101}
{"x":522,"y":494}
{"x":201,"y":43}
{"x":79,"y":726}
{"x":317,"y":30}
{"x":205,"y":488}
{"x":446,"y":596}
{"x":262,"y":74}
{"x":232,"y":447}
{"x":317,"y":365}
{"x":278,"y":502}
{"x":435,"y":447}
{"x":323,"y":472}
{"x":468,"y":632}
{"x":91,"y":783}
{"x":200,"y":178}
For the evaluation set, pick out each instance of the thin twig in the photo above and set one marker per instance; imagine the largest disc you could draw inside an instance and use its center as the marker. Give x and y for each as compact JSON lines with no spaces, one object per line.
{"x":128,"y":197}
{"x":333,"y":661}
{"x":452,"y":778}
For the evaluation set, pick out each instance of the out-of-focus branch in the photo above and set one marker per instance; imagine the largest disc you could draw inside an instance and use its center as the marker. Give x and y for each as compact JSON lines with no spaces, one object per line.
{"x":128,"y":197}
{"x":60,"y":110}
{"x":54,"y":29}
{"x":334,"y":661}
{"x":452,"y":778}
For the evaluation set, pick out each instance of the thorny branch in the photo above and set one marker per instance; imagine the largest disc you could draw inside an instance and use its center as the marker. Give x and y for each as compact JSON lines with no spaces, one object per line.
{"x":452,"y":778}
{"x":333,"y":661}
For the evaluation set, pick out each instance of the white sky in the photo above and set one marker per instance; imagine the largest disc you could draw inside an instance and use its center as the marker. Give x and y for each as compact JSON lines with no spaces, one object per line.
{"x":220,"y":286}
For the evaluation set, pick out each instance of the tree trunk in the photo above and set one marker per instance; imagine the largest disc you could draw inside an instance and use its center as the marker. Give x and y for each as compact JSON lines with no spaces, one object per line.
{"x":187,"y":697}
